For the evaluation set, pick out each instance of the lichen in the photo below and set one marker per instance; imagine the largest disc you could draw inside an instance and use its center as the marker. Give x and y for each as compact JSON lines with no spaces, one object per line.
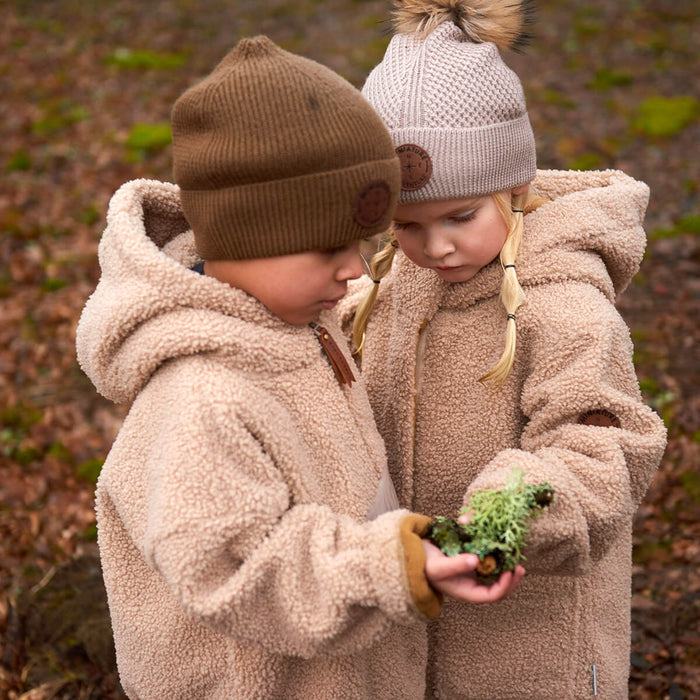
{"x":499,"y":520}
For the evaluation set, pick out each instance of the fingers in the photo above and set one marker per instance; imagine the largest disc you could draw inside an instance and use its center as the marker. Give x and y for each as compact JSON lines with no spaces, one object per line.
{"x":455,"y":577}
{"x":517,"y":576}
{"x":465,"y":518}
{"x":460,"y":565}
{"x":438,"y":566}
{"x":499,"y":589}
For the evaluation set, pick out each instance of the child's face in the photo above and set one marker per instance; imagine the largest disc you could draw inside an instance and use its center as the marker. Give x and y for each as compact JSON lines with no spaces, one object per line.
{"x":454,"y":237}
{"x":294,"y":287}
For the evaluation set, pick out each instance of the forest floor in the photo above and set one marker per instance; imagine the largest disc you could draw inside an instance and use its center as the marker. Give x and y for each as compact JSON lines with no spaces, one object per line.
{"x":87,"y":90}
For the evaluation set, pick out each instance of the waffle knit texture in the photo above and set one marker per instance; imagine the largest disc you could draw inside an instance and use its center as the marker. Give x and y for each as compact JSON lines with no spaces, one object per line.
{"x":276,"y":154}
{"x":460,"y":103}
{"x":448,"y":436}
{"x":232,"y":509}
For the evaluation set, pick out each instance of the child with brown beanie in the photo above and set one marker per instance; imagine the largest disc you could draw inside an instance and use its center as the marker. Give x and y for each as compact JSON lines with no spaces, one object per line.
{"x":490,"y":341}
{"x":250,"y":537}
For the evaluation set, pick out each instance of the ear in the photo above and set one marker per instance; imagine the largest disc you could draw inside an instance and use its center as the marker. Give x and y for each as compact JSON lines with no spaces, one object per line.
{"x":521,"y":189}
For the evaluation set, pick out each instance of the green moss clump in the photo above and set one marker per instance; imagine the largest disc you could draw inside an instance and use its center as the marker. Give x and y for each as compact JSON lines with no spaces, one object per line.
{"x":149,"y":137}
{"x":498,"y":524}
{"x":129,"y":58}
{"x":666,"y":116}
{"x":606,"y":78}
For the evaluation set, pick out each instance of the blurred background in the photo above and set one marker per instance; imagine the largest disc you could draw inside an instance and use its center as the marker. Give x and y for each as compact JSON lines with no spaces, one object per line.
{"x":86,"y":96}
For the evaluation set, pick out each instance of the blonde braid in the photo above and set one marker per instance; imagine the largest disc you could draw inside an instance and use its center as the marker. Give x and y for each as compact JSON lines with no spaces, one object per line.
{"x":512,"y":295}
{"x":379,"y":267}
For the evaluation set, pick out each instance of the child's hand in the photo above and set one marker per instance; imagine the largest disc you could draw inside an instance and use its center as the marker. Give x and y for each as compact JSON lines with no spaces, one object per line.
{"x":454,"y":577}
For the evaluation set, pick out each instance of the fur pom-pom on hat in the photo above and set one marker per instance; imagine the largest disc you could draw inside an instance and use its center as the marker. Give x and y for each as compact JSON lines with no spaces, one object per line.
{"x":502,"y":22}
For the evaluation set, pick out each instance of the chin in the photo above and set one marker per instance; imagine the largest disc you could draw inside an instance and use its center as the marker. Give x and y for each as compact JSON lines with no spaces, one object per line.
{"x":455,"y":276}
{"x":304,"y":321}
{"x":297,"y":319}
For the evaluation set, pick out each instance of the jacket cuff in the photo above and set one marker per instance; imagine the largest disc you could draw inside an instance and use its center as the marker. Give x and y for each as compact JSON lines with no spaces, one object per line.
{"x":426,"y":599}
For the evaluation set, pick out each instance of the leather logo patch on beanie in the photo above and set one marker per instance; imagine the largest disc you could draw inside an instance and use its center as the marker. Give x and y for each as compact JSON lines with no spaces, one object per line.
{"x":416,"y":166}
{"x":372,"y":203}
{"x":599,"y":417}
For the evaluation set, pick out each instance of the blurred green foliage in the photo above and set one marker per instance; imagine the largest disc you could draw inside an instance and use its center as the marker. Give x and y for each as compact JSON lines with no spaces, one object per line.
{"x":59,"y":114}
{"x":52,"y":284}
{"x":128,"y":58}
{"x":666,"y":116}
{"x":90,"y":470}
{"x":149,"y":137}
{"x":690,"y":481}
{"x":586,"y":161}
{"x":690,"y":223}
{"x":605,"y":78}
{"x":19,"y":160}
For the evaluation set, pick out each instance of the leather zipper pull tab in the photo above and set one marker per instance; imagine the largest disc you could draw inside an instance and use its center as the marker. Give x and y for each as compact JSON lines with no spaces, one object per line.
{"x":340,"y":365}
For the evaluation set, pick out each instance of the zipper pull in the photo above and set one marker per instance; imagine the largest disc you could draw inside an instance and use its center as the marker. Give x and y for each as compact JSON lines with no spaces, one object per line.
{"x":340,"y":366}
{"x":595,"y":681}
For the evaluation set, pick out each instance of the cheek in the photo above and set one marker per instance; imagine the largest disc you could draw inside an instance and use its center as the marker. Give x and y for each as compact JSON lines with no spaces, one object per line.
{"x":500,"y":228}
{"x":412,"y":246}
{"x":492,"y":237}
{"x":499,"y":240}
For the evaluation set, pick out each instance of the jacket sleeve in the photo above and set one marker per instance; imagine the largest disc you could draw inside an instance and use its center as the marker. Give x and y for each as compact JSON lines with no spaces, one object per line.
{"x":586,"y":431}
{"x":242,"y":558}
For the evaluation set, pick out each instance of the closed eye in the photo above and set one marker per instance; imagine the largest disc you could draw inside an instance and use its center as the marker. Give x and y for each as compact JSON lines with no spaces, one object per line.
{"x":462,"y":218}
{"x":333,"y":251}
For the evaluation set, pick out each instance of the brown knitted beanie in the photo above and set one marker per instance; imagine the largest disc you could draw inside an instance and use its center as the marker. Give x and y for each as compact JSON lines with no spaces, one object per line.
{"x":276,"y":154}
{"x":455,"y":111}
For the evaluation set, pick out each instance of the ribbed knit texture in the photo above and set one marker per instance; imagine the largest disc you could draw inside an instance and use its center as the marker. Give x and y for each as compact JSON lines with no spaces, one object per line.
{"x":459,"y":102}
{"x":273,"y":152}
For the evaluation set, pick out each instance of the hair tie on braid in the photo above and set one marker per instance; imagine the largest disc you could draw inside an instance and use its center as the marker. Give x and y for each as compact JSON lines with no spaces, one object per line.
{"x":517,"y":211}
{"x":379,"y":267}
{"x":512,"y":295}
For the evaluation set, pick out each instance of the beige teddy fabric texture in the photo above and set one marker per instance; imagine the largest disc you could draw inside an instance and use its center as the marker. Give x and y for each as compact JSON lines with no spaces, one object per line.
{"x":232,"y":508}
{"x":447,"y":435}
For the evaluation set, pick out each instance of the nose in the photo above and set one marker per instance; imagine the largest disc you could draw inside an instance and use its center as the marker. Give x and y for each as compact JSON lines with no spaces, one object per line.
{"x":350,"y":263}
{"x":437,"y":243}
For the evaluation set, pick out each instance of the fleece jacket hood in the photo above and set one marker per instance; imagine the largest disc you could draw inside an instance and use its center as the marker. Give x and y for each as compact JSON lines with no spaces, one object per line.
{"x":146,"y":310}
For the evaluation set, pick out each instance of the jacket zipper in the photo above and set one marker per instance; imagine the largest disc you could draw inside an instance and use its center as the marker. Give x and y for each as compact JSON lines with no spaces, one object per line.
{"x":420,"y":356}
{"x":418,"y":382}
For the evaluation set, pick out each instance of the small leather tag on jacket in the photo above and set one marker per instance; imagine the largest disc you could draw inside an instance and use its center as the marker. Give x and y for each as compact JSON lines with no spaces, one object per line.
{"x":340,"y":366}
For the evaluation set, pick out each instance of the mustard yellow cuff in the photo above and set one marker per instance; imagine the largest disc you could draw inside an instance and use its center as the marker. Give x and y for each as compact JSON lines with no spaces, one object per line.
{"x":427,"y":600}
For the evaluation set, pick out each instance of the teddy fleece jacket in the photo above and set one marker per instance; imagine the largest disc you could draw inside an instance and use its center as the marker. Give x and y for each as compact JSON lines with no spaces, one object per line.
{"x":232,"y":509}
{"x":567,"y":626}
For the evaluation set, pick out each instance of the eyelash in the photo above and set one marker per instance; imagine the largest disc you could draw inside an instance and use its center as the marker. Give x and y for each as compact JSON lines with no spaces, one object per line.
{"x":341,"y":248}
{"x":332,"y":251}
{"x":464,"y":218}
{"x":456,"y":219}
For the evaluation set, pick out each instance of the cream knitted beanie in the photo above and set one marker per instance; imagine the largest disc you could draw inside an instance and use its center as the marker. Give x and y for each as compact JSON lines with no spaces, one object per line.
{"x":455,"y":111}
{"x":276,"y":154}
